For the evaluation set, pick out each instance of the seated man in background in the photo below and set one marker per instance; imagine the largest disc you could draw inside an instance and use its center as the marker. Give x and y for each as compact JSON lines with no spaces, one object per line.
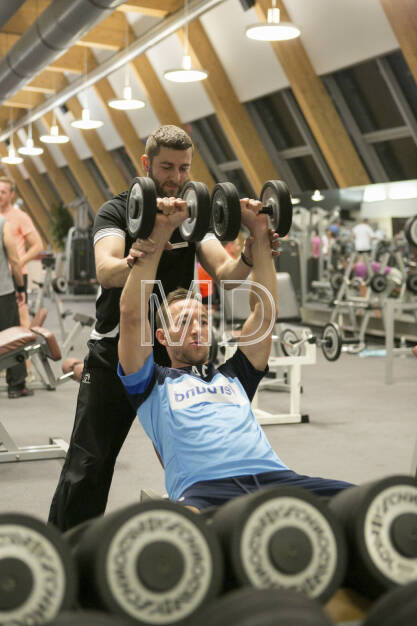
{"x":199,"y":418}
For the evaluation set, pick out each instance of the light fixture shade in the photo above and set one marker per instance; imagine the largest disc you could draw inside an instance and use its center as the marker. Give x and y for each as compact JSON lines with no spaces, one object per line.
{"x":29,"y":149}
{"x":273,"y":32}
{"x":85,"y":123}
{"x":185,"y":74}
{"x":127,"y":103}
{"x":54,"y":136}
{"x":273,"y":29}
{"x":12,"y":158}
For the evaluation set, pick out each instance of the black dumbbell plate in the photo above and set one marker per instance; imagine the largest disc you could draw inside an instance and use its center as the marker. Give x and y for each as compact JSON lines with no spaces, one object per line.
{"x":198,"y":200}
{"x":226,"y":212}
{"x":141,"y":208}
{"x":276,"y":195}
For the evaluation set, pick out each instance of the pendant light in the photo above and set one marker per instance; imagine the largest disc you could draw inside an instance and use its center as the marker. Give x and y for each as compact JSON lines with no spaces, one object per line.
{"x":186,"y":73}
{"x":29,"y":148}
{"x":126,"y":103}
{"x":273,"y":29}
{"x":86,"y":123}
{"x":54,"y":136}
{"x":12,"y":158}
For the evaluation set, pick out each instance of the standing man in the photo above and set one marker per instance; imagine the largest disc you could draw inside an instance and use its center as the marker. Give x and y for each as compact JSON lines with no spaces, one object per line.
{"x":363,"y":236}
{"x":9,"y":314}
{"x":25,"y":235}
{"x":103,"y":414}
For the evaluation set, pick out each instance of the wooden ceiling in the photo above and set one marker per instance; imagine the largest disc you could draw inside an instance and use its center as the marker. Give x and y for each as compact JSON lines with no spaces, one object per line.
{"x":110,"y":35}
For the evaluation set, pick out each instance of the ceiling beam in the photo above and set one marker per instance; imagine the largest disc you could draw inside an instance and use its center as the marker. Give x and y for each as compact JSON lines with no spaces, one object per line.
{"x":402,"y":16}
{"x":165,"y":111}
{"x":45,"y":82}
{"x":231,"y":114}
{"x":317,"y":107}
{"x":79,"y":170}
{"x":24,"y":100}
{"x":151,"y":7}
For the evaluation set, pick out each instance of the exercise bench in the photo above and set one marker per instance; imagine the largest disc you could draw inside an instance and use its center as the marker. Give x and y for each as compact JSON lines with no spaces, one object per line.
{"x":16,"y":345}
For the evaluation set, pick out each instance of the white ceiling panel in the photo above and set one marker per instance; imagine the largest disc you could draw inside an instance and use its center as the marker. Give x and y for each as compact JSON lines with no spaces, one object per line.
{"x":251,"y":66}
{"x":190,"y":100}
{"x":338,"y":33}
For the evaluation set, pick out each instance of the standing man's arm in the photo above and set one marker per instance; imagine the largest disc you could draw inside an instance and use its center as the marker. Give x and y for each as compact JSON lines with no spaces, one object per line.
{"x":112,"y":269}
{"x":13,"y":257}
{"x":259,"y":326}
{"x":34,"y":246}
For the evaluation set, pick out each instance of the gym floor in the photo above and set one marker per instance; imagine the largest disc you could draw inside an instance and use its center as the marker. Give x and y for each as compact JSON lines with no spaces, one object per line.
{"x":360,"y":429}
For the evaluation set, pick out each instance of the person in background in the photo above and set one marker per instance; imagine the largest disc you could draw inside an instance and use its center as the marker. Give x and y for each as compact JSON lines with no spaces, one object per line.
{"x":363,"y":236}
{"x":25,"y":235}
{"x":12,"y":291}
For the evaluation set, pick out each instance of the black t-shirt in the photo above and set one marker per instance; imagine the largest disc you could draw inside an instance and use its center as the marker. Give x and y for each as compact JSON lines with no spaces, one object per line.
{"x":176,"y":267}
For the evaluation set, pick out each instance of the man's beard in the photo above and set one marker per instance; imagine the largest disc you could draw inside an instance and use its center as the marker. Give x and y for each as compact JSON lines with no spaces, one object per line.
{"x":159,"y":189}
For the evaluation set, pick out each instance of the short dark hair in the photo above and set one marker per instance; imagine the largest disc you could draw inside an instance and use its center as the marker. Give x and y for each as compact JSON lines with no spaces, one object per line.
{"x":168,"y":136}
{"x":9,"y":181}
{"x":173,"y":296}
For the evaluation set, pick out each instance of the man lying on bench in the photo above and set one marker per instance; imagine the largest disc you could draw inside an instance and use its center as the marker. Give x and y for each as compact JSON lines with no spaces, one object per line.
{"x":199,"y":418}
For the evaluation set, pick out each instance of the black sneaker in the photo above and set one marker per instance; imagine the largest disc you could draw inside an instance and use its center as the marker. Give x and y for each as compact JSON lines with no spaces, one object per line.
{"x":20,"y":393}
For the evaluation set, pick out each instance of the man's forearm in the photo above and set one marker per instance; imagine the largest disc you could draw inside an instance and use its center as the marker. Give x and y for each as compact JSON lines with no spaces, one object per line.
{"x":31,"y":253}
{"x":114,"y":275}
{"x":264,"y":274}
{"x":16,"y":272}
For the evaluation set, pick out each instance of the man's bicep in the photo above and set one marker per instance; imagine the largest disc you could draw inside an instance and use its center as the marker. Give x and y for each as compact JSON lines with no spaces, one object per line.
{"x":256,"y":334}
{"x":107,"y":249}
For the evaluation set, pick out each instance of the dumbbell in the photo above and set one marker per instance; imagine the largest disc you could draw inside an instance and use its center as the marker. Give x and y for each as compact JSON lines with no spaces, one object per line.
{"x":412,"y":282}
{"x":380,"y":523}
{"x":226,"y":211}
{"x":282,"y":537}
{"x":37,"y":573}
{"x":330,"y":342}
{"x":410,"y":230}
{"x":263,"y":607}
{"x":152,"y":563}
{"x":378,"y":283}
{"x":141,"y":209}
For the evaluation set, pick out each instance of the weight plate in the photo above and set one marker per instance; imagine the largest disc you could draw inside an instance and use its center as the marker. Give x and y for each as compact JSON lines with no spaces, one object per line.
{"x":155,"y":563}
{"x":380,"y":520}
{"x":276,"y":196}
{"x":225,"y":211}
{"x":331,"y":342}
{"x":198,"y":201}
{"x":396,"y":607}
{"x":289,"y":343}
{"x":37,"y":573}
{"x":282,"y":537}
{"x":59,"y":284}
{"x":73,"y":536}
{"x":87,"y":618}
{"x":141,"y":208}
{"x":412,"y":282}
{"x":378,"y":283}
{"x":410,"y":230}
{"x":263,"y":607}
{"x":336,"y":281}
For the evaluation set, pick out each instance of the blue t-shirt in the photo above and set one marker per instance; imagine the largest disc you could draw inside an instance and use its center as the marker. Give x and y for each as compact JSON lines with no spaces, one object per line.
{"x":200,"y":420}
